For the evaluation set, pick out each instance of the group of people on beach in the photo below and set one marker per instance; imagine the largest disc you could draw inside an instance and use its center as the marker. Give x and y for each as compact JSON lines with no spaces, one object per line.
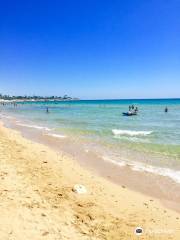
{"x":9,"y":103}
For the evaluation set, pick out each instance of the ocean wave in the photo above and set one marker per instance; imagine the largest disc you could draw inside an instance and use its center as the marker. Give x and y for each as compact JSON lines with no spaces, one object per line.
{"x":34,"y":126}
{"x":130,"y":132}
{"x":132,"y":139}
{"x":137,"y":166}
{"x":56,"y":135}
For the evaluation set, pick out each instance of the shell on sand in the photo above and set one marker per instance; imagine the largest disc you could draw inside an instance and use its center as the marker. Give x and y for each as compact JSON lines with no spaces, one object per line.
{"x":80,"y":189}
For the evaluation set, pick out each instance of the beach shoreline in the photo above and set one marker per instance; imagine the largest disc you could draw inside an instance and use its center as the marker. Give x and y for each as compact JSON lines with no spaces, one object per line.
{"x":148,"y":183}
{"x":36,"y":186}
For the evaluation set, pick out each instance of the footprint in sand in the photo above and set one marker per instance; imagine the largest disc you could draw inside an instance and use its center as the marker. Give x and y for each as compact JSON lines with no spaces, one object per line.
{"x":45,"y":233}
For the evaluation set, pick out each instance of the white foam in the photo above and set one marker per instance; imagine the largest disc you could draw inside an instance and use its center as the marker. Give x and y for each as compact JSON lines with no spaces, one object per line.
{"x":137,"y":166}
{"x":166,"y":172}
{"x":6,"y":116}
{"x":119,"y":163}
{"x":132,"y":139}
{"x":56,"y":135}
{"x":130,"y":132}
{"x":34,"y":126}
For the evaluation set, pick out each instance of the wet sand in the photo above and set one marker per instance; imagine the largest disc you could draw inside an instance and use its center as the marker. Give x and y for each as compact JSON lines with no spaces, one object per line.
{"x":37,"y":201}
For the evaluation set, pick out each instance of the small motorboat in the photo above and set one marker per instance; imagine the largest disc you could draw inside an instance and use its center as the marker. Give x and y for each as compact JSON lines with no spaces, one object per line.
{"x":129,"y":113}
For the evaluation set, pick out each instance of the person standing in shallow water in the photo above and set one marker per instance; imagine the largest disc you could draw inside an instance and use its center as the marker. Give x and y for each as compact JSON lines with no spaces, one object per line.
{"x":47,"y":110}
{"x":166,"y":110}
{"x":136,"y":109}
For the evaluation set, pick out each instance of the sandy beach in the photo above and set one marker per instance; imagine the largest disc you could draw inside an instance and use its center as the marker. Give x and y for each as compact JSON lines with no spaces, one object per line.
{"x":37,"y":201}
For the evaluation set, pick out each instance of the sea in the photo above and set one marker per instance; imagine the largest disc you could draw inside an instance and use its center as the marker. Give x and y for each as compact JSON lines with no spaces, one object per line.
{"x":149,"y":141}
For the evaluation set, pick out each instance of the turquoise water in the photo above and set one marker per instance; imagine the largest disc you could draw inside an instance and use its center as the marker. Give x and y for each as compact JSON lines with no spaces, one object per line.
{"x":99,"y":124}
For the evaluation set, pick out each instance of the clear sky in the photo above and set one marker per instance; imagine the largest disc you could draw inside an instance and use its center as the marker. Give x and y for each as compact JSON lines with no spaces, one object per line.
{"x":90,"y":49}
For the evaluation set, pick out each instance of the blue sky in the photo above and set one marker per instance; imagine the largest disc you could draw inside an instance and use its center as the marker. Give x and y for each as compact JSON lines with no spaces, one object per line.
{"x":90,"y":49}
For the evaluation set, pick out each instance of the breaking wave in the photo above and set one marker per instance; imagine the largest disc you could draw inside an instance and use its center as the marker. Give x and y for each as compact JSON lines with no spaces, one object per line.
{"x":130,"y":132}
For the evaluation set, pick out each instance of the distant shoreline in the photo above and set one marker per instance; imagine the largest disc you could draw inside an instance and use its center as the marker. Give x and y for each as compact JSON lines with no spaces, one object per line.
{"x":35,"y":100}
{"x":7,"y":98}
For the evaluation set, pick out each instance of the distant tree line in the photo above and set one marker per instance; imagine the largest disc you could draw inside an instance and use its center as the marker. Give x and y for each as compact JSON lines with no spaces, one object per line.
{"x":8,"y":97}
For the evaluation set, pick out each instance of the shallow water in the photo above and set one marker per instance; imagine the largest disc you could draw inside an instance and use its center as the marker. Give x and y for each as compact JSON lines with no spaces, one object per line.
{"x":152,"y":137}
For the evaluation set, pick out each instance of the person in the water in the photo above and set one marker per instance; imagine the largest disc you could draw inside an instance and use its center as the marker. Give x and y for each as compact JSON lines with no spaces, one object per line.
{"x":136,"y":109}
{"x":47,"y":110}
{"x":166,"y":109}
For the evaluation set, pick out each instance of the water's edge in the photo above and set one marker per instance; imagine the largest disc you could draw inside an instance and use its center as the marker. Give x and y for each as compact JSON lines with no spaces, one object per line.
{"x":135,"y":177}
